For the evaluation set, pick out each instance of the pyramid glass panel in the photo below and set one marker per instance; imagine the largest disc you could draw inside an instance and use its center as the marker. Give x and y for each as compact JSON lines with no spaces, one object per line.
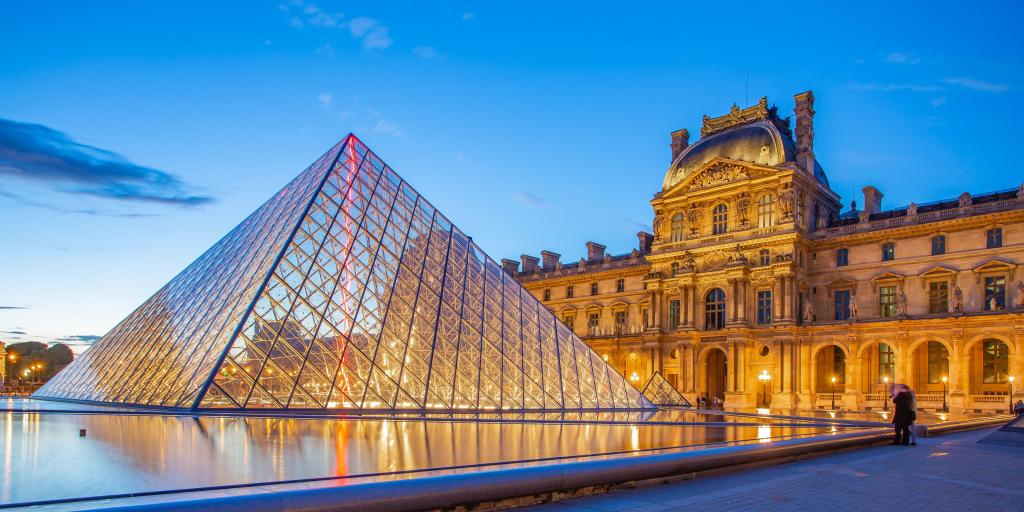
{"x":346,"y":290}
{"x":660,"y":392}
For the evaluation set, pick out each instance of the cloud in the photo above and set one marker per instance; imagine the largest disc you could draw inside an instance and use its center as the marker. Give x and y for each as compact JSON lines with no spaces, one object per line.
{"x":389,"y":128}
{"x":326,"y":49}
{"x":468,"y":16}
{"x":13,"y":332}
{"x":81,"y":339}
{"x":642,"y":226}
{"x":373,"y":35}
{"x":902,"y":58}
{"x":937,"y":102}
{"x":427,"y":53}
{"x":14,"y":307}
{"x":978,"y":85}
{"x":325,"y":99}
{"x":883,"y":87}
{"x":530,"y":200}
{"x":36,"y":153}
{"x":24,"y":201}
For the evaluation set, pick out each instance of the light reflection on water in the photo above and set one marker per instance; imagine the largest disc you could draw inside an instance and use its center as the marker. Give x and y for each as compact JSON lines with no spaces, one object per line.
{"x":135,"y":453}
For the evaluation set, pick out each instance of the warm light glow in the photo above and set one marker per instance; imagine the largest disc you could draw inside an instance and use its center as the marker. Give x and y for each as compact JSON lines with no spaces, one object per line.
{"x":1012,"y":378}
{"x":763,"y":411}
{"x":12,"y":357}
{"x":764,"y":376}
{"x":605,"y":356}
{"x":634,"y":377}
{"x":885,"y":380}
{"x":833,"y":380}
{"x":944,"y":379}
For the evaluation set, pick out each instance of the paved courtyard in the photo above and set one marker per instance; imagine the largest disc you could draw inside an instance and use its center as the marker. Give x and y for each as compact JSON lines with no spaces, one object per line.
{"x":951,"y":472}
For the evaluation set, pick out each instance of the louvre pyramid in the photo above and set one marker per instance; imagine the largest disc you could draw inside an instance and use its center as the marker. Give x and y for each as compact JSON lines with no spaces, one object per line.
{"x":660,"y":392}
{"x":346,"y":290}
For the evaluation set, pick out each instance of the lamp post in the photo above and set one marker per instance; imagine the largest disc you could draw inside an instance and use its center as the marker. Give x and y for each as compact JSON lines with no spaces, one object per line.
{"x":1010,"y":379}
{"x":764,"y":377}
{"x":12,"y":358}
{"x":885,"y":395}
{"x":833,"y":393}
{"x":945,"y":404}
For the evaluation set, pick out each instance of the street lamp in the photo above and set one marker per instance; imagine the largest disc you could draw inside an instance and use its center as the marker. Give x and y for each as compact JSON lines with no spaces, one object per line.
{"x":833,"y":392}
{"x":1011,"y":378}
{"x":945,"y":405}
{"x":885,"y":395}
{"x":764,"y":378}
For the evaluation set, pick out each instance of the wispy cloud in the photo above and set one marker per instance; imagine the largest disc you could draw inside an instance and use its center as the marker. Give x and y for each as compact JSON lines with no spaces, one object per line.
{"x":938,"y":102}
{"x":977,"y":85}
{"x":427,"y":53}
{"x":642,"y":226}
{"x":530,"y":200}
{"x":14,"y":307}
{"x":24,"y":201}
{"x":468,"y":16}
{"x":891,"y":87}
{"x":371,"y":34}
{"x":325,"y":99}
{"x":80,"y":339}
{"x":902,"y":58}
{"x":388,"y":128}
{"x":36,"y":153}
{"x":12,"y":332}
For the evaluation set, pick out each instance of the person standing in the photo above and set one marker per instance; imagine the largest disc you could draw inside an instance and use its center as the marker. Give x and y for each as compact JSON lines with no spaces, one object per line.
{"x":903,"y":416}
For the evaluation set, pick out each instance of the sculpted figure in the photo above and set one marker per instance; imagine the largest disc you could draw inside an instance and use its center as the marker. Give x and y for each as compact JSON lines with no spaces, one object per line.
{"x":992,"y":306}
{"x":958,"y":300}
{"x":786,"y":202}
{"x":1018,"y":297}
{"x":693,"y":219}
{"x":743,"y":208}
{"x":901,"y":304}
{"x":964,"y":200}
{"x":853,"y":308}
{"x":808,"y":311}
{"x":912,"y":209}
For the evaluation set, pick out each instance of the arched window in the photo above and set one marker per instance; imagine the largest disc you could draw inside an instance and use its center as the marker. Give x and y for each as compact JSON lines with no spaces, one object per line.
{"x":720,"y":219}
{"x":938,"y":362}
{"x":714,"y":310}
{"x":995,"y":362}
{"x":766,"y":211}
{"x":886,"y":362}
{"x":678,"y":234}
{"x":765,"y":257}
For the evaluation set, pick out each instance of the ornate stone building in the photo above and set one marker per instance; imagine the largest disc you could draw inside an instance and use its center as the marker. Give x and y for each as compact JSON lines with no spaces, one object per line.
{"x":757,"y":289}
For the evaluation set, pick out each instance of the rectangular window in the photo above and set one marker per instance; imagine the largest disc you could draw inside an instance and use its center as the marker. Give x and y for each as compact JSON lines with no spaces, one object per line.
{"x":593,"y":288}
{"x":593,"y":321}
{"x":842,"y":257}
{"x":570,"y":291}
{"x":938,"y":297}
{"x":938,"y":362}
{"x":673,"y":314}
{"x":569,"y":320}
{"x":886,"y":362}
{"x":995,"y":293}
{"x":938,"y":245}
{"x":620,"y":285}
{"x":547,"y":294}
{"x":995,"y":362}
{"x":766,"y":257}
{"x":887,"y":301}
{"x":620,"y":321}
{"x":764,"y":307}
{"x":994,"y":238}
{"x":842,"y":304}
{"x":888,"y":251}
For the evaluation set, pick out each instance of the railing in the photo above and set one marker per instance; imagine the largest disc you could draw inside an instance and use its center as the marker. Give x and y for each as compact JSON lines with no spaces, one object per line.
{"x":921,"y":218}
{"x":827,"y":399}
{"x":990,"y":399}
{"x":929,"y":398}
{"x":875,"y":397}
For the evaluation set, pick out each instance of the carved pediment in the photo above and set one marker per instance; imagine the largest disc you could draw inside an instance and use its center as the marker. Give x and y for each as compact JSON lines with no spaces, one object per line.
{"x":719,"y":172}
{"x":887,"y":276}
{"x":995,"y":266}
{"x":938,"y":271}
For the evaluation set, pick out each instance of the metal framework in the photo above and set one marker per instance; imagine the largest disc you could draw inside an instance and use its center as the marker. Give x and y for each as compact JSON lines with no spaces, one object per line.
{"x":660,"y":392}
{"x":346,"y":290}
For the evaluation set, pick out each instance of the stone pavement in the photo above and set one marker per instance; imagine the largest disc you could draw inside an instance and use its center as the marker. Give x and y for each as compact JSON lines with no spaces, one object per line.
{"x":951,"y":472}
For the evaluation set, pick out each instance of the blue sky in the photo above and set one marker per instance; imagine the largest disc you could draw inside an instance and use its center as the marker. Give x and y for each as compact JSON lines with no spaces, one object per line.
{"x":531,"y":125}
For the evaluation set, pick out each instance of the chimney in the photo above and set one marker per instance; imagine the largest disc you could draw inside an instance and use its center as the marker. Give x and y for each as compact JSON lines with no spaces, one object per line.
{"x":511,"y":267}
{"x":549,"y":260}
{"x":872,"y":200}
{"x":595,"y":251}
{"x":529,"y":263}
{"x":646,"y":239}
{"x":680,"y":141}
{"x":804,"y":111}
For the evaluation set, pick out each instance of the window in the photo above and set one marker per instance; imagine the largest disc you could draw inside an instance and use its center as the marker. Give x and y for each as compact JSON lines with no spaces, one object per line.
{"x":765,"y":257}
{"x":620,"y":321}
{"x":888,"y":251}
{"x":887,"y":301}
{"x":994,"y":238}
{"x":646,"y":319}
{"x":764,"y":307}
{"x":678,"y":233}
{"x":842,"y":303}
{"x":675,"y":268}
{"x":938,"y":245}
{"x":620,"y":285}
{"x":842,"y":257}
{"x":886,"y":362}
{"x":995,"y":362}
{"x":714,"y":310}
{"x":995,"y":293}
{"x":593,"y":320}
{"x":720,"y":219}
{"x":569,"y":320}
{"x":570,"y":291}
{"x":938,"y":297}
{"x":673,"y":314}
{"x":938,"y":362}
{"x":766,"y":211}
{"x":593,"y":288}
{"x":547,"y":294}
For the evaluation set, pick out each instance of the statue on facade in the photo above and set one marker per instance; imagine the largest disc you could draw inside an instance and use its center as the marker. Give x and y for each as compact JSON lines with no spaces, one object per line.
{"x":786,"y":202}
{"x":743,"y":208}
{"x":992,"y":305}
{"x":693,"y":219}
{"x":1018,"y":296}
{"x":1020,"y":193}
{"x":964,"y":200}
{"x":689,"y":262}
{"x":958,"y":300}
{"x":912,"y":209}
{"x":808,"y":316}
{"x":853,"y":308}
{"x":901,"y":304}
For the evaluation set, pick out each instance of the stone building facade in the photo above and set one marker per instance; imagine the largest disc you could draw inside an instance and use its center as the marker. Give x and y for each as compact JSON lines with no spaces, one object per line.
{"x":757,"y":288}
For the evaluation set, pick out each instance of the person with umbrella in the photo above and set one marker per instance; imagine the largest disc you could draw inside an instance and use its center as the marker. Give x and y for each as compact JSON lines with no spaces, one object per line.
{"x":904,"y":416}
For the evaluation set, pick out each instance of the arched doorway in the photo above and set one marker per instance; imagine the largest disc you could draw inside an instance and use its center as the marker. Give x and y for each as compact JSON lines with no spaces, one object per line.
{"x":931,"y":365}
{"x":715,"y":376}
{"x":829,"y":364}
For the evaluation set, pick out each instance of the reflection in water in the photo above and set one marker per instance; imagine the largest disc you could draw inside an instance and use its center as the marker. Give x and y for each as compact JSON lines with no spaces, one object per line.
{"x":134,"y":453}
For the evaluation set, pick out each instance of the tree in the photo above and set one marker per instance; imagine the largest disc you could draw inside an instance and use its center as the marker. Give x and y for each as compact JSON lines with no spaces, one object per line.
{"x":32,"y":353}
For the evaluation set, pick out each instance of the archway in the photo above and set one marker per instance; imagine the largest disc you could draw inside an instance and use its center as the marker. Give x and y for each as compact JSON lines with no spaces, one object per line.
{"x":716,"y":374}
{"x":930,"y":366}
{"x":829,"y":363}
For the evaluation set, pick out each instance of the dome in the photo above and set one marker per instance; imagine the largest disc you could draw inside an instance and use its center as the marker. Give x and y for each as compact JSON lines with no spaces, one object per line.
{"x":760,"y":142}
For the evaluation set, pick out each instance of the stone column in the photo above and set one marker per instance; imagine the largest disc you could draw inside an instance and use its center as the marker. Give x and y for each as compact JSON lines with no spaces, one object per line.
{"x":655,"y":309}
{"x":692,"y":291}
{"x":741,"y":367}
{"x":806,"y":366}
{"x":742,"y":312}
{"x":731,"y":369}
{"x":777,"y":299}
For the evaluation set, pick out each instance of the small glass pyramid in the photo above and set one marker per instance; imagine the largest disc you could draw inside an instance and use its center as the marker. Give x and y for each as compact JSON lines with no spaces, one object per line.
{"x":346,"y":290}
{"x":660,"y":392}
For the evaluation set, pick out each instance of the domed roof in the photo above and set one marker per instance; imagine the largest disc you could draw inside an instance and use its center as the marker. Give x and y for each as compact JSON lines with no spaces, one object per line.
{"x":760,"y":142}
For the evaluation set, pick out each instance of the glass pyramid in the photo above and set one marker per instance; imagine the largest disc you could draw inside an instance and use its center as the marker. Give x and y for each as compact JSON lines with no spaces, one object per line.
{"x":346,"y":290}
{"x":660,"y":392}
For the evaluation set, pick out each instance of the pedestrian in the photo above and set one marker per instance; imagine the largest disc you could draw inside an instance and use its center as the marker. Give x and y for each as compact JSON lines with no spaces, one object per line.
{"x":903,"y":417}
{"x":913,"y":417}
{"x":1019,"y":408}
